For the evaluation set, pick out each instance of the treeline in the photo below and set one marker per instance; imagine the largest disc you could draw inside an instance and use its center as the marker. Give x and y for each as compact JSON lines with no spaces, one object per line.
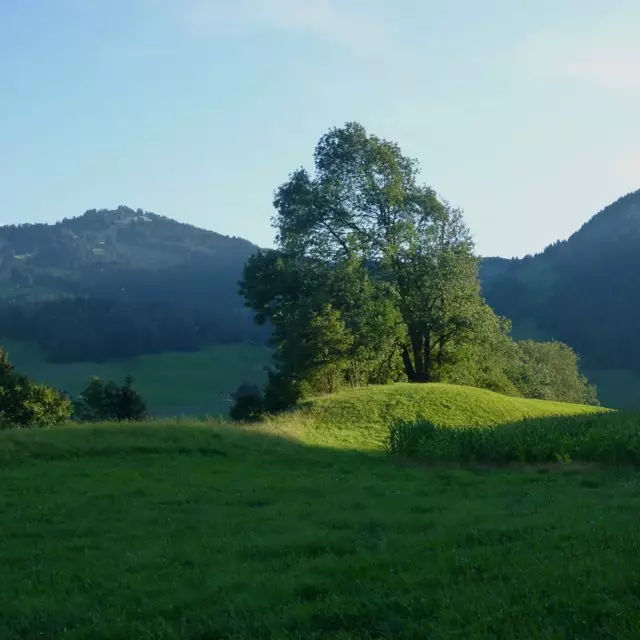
{"x":113,"y":237}
{"x":375,"y":280}
{"x":583,"y":291}
{"x":25,"y":403}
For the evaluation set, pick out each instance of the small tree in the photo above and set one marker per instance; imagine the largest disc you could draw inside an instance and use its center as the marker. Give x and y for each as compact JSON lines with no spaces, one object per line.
{"x":129,"y":404}
{"x":100,"y":401}
{"x":25,"y":403}
{"x":550,"y":371}
{"x":248,"y":404}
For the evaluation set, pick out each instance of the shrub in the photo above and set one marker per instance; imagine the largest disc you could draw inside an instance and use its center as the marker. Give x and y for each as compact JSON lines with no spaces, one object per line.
{"x":281,"y":393}
{"x":100,"y":401}
{"x":25,"y":403}
{"x":248,"y":404}
{"x":610,"y":438}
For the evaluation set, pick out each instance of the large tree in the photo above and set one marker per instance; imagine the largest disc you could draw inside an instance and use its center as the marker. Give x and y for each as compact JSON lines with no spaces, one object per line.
{"x":369,"y":261}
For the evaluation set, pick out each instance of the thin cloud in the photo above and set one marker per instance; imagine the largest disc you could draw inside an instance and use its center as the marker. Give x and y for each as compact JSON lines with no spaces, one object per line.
{"x":607,"y":55}
{"x":349,"y":24}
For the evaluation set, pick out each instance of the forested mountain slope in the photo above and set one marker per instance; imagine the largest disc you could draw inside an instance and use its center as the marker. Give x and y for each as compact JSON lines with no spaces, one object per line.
{"x":114,"y":283}
{"x":584,"y":291}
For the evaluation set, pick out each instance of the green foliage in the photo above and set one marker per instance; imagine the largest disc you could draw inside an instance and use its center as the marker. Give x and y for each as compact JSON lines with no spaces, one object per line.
{"x":489,"y":360}
{"x":24,"y":403}
{"x":549,"y":371}
{"x":130,"y":405}
{"x":281,"y":392}
{"x":107,"y":401}
{"x":248,"y":404}
{"x":374,"y":279}
{"x":605,"y":438}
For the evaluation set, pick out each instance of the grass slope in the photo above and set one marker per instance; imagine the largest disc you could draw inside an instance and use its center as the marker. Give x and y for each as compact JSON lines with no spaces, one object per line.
{"x":203,"y":531}
{"x":172,"y":383}
{"x":361,"y":417}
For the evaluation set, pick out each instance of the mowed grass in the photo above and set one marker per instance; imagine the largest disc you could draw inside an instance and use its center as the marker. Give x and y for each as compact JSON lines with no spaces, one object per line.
{"x":201,"y":530}
{"x":173,"y":384}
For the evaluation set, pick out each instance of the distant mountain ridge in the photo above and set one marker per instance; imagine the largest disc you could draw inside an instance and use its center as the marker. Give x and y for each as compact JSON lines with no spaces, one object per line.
{"x":121,"y":237}
{"x":584,"y":290}
{"x":124,"y":282}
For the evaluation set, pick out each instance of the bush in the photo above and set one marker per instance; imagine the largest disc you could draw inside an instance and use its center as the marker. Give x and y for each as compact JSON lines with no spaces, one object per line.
{"x":281,"y":393}
{"x":550,"y":371}
{"x":610,"y":438}
{"x":100,"y":401}
{"x":248,"y":404}
{"x":25,"y":403}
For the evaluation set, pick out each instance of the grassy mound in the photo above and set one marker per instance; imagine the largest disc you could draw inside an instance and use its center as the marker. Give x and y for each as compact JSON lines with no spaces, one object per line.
{"x":361,"y":417}
{"x":185,"y":530}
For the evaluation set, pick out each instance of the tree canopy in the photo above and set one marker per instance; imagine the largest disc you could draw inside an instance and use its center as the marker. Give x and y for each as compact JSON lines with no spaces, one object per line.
{"x":374,"y":277}
{"x":25,"y":403}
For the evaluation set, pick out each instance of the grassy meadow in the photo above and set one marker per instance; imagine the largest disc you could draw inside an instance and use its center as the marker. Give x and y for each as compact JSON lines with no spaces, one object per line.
{"x":183,"y":384}
{"x":302,"y":527}
{"x":173,"y":384}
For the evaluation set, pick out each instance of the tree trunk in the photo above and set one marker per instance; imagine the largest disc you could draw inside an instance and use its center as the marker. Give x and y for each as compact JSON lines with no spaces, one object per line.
{"x":427,"y":357}
{"x":409,"y":369}
{"x":416,"y":346}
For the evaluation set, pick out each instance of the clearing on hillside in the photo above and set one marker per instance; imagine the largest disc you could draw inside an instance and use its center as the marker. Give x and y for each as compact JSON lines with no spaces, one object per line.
{"x":172,"y":383}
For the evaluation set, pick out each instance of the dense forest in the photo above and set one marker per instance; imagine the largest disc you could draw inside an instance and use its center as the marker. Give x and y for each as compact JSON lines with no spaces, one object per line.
{"x":121,"y":283}
{"x":582,"y":291}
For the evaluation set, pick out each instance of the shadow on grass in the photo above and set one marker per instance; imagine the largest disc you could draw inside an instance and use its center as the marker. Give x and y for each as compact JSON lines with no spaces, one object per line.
{"x":197,"y":530}
{"x":607,"y":438}
{"x":212,"y":439}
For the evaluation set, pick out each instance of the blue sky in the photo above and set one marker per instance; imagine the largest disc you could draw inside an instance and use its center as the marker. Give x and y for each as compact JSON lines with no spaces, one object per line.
{"x":525,"y":114}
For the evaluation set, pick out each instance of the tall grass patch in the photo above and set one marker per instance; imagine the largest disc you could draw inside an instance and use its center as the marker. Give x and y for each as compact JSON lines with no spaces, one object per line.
{"x":609,"y":438}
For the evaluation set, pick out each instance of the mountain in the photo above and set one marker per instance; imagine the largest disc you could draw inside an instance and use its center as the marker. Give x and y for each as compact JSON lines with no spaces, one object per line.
{"x":584,"y":291}
{"x":116,"y":283}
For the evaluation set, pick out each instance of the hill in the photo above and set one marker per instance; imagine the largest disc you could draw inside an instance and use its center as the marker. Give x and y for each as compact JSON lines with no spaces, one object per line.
{"x":119,"y":283}
{"x":582,"y":291}
{"x":202,"y":530}
{"x":361,"y":417}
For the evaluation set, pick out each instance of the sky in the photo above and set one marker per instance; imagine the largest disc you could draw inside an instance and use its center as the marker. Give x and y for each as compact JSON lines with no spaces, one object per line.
{"x":524,"y":114}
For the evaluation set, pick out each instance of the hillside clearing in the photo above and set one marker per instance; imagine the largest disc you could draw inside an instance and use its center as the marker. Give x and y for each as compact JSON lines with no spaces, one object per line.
{"x":173,"y":384}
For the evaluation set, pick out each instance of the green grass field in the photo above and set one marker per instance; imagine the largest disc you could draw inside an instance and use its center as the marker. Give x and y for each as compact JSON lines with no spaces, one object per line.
{"x":173,"y":384}
{"x":177,"y":384}
{"x":361,"y":417}
{"x":296,"y":529}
